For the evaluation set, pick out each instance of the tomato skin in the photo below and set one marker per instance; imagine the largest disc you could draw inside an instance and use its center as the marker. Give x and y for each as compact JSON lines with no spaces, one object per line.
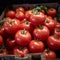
{"x":50,"y":23}
{"x":20,"y":52}
{"x":28,"y":14}
{"x":20,"y":9}
{"x":53,"y":43}
{"x":41,"y":34}
{"x":50,"y":55}
{"x":37,"y":19}
{"x":57,"y":31}
{"x":10,"y":14}
{"x":20,"y":15}
{"x":27,"y":26}
{"x":52,"y":12}
{"x":1,"y":41}
{"x":23,"y":37}
{"x":13,"y":27}
{"x":10,"y":43}
{"x":36,"y":46}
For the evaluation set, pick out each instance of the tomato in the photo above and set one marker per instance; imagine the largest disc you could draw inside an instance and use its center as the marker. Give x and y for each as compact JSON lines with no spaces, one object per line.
{"x":26,"y":25}
{"x":20,"y":9}
{"x":1,"y":41}
{"x":3,"y":52}
{"x":36,"y":46}
{"x":22,"y":37}
{"x":53,"y":42}
{"x":42,"y":11}
{"x":57,"y":31}
{"x":10,"y":43}
{"x":20,"y":51}
{"x":28,"y":14}
{"x":11,"y":26}
{"x":49,"y":55}
{"x":37,"y":19}
{"x":52,"y":12}
{"x":20,"y":15}
{"x":57,"y":25}
{"x":50,"y":23}
{"x":10,"y":14}
{"x":41,"y":33}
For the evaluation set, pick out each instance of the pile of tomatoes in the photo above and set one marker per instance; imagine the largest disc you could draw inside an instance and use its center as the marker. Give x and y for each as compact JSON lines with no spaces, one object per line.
{"x":34,"y":30}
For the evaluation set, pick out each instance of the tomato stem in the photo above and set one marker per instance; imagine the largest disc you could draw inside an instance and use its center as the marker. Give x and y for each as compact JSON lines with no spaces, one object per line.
{"x":23,"y":32}
{"x":47,"y":21}
{"x":56,"y":36}
{"x":47,"y":50}
{"x":40,"y":27}
{"x":26,"y":22}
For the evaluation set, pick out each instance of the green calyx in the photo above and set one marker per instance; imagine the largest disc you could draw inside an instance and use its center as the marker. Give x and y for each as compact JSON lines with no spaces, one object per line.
{"x":24,"y":32}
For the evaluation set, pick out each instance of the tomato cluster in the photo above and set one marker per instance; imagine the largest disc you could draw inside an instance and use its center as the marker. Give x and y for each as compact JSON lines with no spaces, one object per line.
{"x":30,"y":31}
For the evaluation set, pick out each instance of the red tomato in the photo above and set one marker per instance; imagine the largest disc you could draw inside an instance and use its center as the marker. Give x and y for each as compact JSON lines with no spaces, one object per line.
{"x":49,"y":55}
{"x":41,"y":33}
{"x":28,"y":14}
{"x":54,"y":42}
{"x":1,"y":41}
{"x":10,"y":14}
{"x":20,"y":15}
{"x":10,"y":43}
{"x":20,"y":52}
{"x":50,"y":23}
{"x":26,"y":25}
{"x":22,"y":38}
{"x":36,"y":46}
{"x":57,"y":31}
{"x":57,"y":25}
{"x":37,"y":19}
{"x":11,"y":26}
{"x":20,"y":9}
{"x":3,"y":52}
{"x":52,"y":12}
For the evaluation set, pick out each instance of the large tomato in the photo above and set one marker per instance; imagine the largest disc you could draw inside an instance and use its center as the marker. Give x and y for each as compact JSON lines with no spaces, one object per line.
{"x":10,"y":43}
{"x":22,"y":37}
{"x":11,"y":26}
{"x":53,"y":42}
{"x":26,"y":25}
{"x":10,"y":14}
{"x":20,"y":51}
{"x":19,"y":15}
{"x":50,"y":23}
{"x":1,"y":41}
{"x":49,"y":55}
{"x":41,"y":33}
{"x":36,"y":46}
{"x":20,"y":9}
{"x":52,"y":12}
{"x":37,"y":19}
{"x":28,"y":14}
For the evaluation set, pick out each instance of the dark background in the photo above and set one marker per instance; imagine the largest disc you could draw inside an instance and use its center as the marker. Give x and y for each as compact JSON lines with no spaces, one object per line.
{"x":4,"y":3}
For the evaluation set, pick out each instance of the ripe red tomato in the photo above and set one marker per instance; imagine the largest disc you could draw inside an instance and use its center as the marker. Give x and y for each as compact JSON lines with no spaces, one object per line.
{"x":28,"y":14}
{"x":10,"y":43}
{"x":49,"y":55}
{"x":52,"y":12}
{"x":26,"y":25}
{"x":50,"y":23}
{"x":1,"y":41}
{"x":20,"y":15}
{"x":37,"y":19}
{"x":53,"y":42}
{"x":10,"y":14}
{"x":41,"y":33}
{"x":20,"y":51}
{"x":11,"y":26}
{"x":57,"y":31}
{"x":22,"y":38}
{"x":57,"y":25}
{"x":3,"y":52}
{"x":36,"y":46}
{"x":20,"y":9}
